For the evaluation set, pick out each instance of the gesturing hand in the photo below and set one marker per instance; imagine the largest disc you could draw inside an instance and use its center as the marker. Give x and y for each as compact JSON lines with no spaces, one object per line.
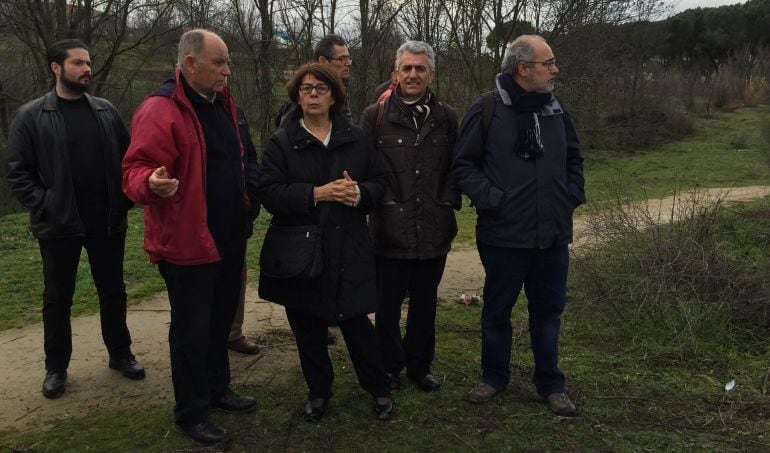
{"x":161,"y":184}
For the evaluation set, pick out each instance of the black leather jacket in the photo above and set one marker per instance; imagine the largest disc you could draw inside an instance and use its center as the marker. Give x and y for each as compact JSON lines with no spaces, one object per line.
{"x":39,"y":172}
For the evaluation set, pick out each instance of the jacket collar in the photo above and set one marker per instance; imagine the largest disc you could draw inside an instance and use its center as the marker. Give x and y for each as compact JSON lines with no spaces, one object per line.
{"x":173,"y":88}
{"x":395,"y":115}
{"x":342,"y":132}
{"x":51,"y":101}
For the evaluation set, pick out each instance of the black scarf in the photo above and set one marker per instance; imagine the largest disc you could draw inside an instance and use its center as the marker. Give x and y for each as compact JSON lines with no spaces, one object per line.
{"x":418,"y":110}
{"x":529,"y":143}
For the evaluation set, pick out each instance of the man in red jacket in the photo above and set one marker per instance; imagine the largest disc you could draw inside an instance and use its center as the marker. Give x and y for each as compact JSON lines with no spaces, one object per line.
{"x":185,"y":165}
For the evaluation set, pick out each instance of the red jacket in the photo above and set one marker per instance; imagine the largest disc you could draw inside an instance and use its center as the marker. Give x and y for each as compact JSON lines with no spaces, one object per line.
{"x":165,"y":131}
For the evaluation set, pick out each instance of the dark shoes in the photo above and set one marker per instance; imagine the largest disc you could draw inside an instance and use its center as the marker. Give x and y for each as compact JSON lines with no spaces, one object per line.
{"x":205,"y":432}
{"x":234,"y":403}
{"x":244,"y":346}
{"x":128,"y":366}
{"x":384,"y":410}
{"x":315,"y":409}
{"x":561,"y":405}
{"x":394,"y":383}
{"x":330,"y":338}
{"x":482,"y":393}
{"x":53,"y":384}
{"x":426,"y":382}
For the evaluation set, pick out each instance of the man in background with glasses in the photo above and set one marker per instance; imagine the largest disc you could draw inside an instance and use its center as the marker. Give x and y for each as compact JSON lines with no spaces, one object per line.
{"x":331,"y":50}
{"x":518,"y":159}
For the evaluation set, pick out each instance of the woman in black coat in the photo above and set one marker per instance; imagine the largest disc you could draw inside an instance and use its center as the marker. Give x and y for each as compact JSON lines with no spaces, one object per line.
{"x":320,"y":162}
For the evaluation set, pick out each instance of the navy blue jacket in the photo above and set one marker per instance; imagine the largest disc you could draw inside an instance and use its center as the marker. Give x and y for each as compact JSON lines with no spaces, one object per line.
{"x":520,"y":203}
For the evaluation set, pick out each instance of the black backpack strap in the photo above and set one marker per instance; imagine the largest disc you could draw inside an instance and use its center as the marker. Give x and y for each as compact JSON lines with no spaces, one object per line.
{"x":487,"y":112}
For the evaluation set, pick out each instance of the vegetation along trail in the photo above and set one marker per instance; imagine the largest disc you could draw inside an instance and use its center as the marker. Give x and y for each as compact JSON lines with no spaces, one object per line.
{"x":92,"y":386}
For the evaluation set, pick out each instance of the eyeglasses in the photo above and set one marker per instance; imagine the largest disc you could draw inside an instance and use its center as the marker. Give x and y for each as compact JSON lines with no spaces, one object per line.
{"x":320,"y":88}
{"x":548,"y":63}
{"x":342,"y":59}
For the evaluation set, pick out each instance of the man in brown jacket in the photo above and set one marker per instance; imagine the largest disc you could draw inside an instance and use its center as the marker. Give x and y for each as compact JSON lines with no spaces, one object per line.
{"x":414,"y":226}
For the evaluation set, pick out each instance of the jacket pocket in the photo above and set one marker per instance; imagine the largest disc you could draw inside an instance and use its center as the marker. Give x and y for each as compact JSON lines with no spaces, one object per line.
{"x":389,"y":226}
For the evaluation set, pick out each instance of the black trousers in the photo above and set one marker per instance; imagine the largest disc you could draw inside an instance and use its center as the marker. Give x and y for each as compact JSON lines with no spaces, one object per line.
{"x":203,"y":301}
{"x":310,"y":333}
{"x":60,"y":268}
{"x":421,"y":278}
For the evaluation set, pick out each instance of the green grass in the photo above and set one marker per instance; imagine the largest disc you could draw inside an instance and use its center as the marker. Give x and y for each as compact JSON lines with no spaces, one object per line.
{"x":708,"y":158}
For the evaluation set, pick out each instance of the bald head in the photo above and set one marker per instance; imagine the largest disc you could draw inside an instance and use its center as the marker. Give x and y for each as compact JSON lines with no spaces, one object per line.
{"x":204,"y":61}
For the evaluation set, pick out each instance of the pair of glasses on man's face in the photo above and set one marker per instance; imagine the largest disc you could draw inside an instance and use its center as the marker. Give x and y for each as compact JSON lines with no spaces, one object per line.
{"x":320,"y":88}
{"x":548,"y":63}
{"x":342,"y":59}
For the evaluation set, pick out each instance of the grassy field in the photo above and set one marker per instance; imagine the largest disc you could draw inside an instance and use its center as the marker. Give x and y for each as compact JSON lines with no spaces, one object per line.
{"x":640,"y":383}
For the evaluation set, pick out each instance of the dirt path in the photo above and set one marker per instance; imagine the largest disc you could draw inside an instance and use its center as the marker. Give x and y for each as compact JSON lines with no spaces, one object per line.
{"x":92,"y":386}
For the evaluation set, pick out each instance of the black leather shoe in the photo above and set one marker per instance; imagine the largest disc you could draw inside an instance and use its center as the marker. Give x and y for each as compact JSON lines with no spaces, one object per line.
{"x":394,"y":383}
{"x":313,"y":411}
{"x":234,"y":403}
{"x":426,"y":382}
{"x":331,"y":338}
{"x":205,"y":432}
{"x":384,"y":411}
{"x":53,"y":384}
{"x":128,"y":366}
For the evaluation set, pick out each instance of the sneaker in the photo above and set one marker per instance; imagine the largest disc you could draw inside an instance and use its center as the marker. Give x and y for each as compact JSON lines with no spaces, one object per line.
{"x":561,"y":405}
{"x":481,"y":393}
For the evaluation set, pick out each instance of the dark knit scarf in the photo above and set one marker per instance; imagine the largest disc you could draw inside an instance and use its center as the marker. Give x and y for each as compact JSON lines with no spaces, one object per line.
{"x":419,"y":110}
{"x":529,"y":143}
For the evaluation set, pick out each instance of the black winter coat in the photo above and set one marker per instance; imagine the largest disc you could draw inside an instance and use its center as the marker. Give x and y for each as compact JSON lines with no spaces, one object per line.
{"x":347,"y":287}
{"x":39,"y":172}
{"x":520,"y":203}
{"x":415,"y":219}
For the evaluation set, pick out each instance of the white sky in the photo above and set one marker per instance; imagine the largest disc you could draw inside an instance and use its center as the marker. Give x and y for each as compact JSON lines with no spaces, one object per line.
{"x":681,"y":5}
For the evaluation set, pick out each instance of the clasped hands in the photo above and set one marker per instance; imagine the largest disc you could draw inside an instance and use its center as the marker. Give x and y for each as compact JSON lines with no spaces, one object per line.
{"x":344,"y":190}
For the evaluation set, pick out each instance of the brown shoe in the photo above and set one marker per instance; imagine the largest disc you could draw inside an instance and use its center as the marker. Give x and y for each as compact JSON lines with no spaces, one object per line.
{"x":481,"y":393}
{"x":561,"y":405}
{"x":244,"y":346}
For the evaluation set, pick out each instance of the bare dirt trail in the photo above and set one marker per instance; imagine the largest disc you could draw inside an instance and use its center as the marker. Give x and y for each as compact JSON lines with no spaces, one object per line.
{"x":92,"y":386}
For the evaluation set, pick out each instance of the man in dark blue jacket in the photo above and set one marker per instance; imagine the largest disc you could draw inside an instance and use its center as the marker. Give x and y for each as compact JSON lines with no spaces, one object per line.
{"x":64,"y":152}
{"x":524,"y":172}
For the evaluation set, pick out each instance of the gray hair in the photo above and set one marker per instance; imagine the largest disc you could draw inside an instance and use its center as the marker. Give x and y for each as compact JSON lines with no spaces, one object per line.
{"x":417,"y":47}
{"x":191,"y":43}
{"x":520,"y":49}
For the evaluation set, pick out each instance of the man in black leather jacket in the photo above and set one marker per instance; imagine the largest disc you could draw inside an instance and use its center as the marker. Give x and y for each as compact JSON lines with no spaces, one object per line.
{"x":64,"y":157}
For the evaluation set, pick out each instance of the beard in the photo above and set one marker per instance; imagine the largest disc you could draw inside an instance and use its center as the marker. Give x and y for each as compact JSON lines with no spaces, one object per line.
{"x":76,"y":85}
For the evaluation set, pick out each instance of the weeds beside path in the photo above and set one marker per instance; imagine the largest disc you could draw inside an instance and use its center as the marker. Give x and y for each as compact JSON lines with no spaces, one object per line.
{"x":93,"y":387}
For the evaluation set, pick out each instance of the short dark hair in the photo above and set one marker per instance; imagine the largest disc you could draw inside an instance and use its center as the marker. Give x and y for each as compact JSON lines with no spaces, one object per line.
{"x":325,"y":46}
{"x":60,"y":50}
{"x":322,"y":73}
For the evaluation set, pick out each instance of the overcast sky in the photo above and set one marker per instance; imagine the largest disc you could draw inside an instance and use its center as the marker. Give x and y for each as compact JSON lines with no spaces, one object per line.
{"x":681,"y":5}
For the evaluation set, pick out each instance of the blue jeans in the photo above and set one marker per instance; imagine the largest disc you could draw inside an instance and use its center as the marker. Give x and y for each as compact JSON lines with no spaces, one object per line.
{"x":543,"y":273}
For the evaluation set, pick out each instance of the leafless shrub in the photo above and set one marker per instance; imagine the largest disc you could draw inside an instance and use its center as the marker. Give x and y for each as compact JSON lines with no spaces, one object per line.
{"x":663,"y":267}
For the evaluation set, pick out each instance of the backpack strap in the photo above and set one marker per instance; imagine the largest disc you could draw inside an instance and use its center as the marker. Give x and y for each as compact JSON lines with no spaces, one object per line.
{"x":487,"y":112}
{"x":380,"y":113}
